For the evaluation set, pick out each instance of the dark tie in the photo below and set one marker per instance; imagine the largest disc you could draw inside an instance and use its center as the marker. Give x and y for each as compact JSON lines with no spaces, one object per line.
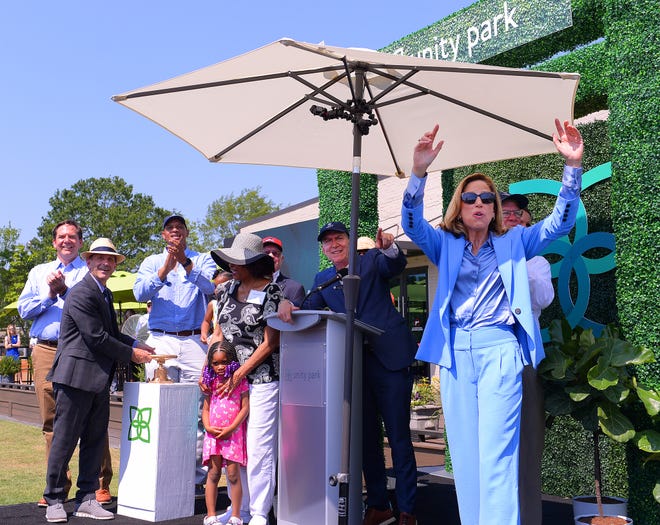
{"x":113,"y":318}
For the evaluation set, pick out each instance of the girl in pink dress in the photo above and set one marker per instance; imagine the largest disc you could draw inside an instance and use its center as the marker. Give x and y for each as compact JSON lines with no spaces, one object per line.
{"x":224,"y":416}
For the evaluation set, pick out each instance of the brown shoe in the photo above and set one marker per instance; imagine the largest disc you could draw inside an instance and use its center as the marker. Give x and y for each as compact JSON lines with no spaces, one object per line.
{"x":374,"y":516}
{"x":407,"y":519}
{"x":103,"y":496}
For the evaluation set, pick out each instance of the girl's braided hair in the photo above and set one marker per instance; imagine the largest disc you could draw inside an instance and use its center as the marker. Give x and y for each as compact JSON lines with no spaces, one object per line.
{"x":208,"y":374}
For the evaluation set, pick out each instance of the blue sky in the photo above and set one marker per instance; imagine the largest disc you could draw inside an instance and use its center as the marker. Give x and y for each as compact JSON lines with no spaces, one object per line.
{"x":62,"y":61}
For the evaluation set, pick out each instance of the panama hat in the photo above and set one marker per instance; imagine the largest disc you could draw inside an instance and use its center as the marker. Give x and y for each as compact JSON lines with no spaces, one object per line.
{"x":103,"y":245}
{"x":245,"y":249}
{"x":365,"y":243}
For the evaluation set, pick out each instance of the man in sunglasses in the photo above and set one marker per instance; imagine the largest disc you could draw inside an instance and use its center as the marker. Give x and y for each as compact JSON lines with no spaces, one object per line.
{"x":515,"y":212}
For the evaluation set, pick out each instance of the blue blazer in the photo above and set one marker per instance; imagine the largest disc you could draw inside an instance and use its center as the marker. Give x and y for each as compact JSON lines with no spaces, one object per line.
{"x":90,"y":342}
{"x":512,"y":250}
{"x":396,"y":347}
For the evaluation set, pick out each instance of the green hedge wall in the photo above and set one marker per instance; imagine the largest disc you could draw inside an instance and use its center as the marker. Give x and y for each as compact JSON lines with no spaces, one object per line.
{"x":568,"y":467}
{"x":633,"y":44}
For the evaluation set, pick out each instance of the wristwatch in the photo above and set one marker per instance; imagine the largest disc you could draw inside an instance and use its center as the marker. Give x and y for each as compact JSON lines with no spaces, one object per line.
{"x":187,"y":262}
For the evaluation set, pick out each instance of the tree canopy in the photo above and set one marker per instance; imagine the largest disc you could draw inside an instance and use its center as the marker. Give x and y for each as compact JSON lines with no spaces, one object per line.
{"x":106,"y":207}
{"x":224,"y":215}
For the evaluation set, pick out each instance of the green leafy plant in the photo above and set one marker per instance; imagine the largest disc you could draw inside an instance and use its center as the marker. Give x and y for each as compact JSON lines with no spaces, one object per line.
{"x":425,"y":392}
{"x":9,"y":366}
{"x":592,"y":380}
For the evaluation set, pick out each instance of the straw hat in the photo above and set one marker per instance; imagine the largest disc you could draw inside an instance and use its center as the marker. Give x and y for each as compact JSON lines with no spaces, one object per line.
{"x":103,"y":245}
{"x":245,"y":249}
{"x":365,"y":243}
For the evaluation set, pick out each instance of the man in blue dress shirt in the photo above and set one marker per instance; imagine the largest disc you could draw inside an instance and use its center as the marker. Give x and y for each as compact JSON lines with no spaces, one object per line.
{"x":177,"y":281}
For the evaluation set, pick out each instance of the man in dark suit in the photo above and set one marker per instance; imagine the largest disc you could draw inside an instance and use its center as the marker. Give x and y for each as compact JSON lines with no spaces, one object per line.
{"x":291,"y":289}
{"x":387,"y":377}
{"x":90,"y":344}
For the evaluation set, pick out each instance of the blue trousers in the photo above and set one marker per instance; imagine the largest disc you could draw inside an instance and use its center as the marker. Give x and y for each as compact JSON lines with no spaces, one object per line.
{"x":481,"y":399}
{"x":386,"y":400}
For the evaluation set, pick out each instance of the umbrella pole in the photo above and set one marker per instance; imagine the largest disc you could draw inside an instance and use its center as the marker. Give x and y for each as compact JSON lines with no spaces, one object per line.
{"x":351,"y":285}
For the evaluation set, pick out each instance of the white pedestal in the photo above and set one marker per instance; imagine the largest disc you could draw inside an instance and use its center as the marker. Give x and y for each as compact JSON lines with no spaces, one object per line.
{"x":157,"y":458}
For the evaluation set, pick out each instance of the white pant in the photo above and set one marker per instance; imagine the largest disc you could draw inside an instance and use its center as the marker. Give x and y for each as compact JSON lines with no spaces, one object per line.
{"x":262,"y":447}
{"x":186,"y":368}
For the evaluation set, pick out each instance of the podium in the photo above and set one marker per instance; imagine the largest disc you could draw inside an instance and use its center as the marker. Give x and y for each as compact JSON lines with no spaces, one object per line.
{"x":312,"y":361}
{"x":157,"y":458}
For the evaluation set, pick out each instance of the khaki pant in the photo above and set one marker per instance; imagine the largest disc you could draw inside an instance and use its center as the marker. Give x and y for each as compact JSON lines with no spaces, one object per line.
{"x":42,"y":361}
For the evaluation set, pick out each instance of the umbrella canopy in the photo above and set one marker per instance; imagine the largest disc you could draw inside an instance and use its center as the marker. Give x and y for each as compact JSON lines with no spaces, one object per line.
{"x":255,"y":108}
{"x":121,"y":284}
{"x":11,"y":308}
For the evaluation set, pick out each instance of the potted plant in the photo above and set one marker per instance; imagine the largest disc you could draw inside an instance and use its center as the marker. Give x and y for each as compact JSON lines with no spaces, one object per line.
{"x":590,"y":378}
{"x":9,"y":367}
{"x":425,"y":405}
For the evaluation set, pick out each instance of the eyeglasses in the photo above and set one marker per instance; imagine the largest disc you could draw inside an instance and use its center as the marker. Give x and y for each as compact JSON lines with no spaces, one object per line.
{"x":508,"y":213}
{"x":469,"y":197}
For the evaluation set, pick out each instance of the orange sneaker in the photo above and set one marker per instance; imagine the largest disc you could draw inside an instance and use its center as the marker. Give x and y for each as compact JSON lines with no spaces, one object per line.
{"x":374,"y":516}
{"x":103,"y":496}
{"x":42,"y":503}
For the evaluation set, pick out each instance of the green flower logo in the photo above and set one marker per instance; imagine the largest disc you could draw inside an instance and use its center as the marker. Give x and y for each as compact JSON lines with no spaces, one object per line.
{"x":139,"y":427}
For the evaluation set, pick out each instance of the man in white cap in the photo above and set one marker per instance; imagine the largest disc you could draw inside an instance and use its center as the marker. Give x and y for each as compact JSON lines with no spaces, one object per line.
{"x":90,"y":344}
{"x":178,"y":283}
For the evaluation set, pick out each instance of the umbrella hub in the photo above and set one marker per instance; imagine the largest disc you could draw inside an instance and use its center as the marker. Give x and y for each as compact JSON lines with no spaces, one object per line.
{"x":359,"y":112}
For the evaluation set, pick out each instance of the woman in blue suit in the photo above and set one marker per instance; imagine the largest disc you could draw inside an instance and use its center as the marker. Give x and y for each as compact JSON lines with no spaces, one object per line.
{"x":481,"y":330}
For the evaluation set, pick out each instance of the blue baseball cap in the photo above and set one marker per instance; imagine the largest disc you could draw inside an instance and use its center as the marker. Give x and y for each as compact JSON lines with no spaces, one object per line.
{"x":521,"y":201}
{"x":335,"y":226}
{"x":172,"y":217}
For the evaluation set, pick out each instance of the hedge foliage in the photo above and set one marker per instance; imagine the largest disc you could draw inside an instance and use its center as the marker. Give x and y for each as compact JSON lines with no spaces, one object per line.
{"x":568,"y":467}
{"x":633,"y":47}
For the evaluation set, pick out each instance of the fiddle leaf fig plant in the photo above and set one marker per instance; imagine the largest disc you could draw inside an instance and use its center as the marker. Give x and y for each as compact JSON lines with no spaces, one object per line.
{"x":592,"y":380}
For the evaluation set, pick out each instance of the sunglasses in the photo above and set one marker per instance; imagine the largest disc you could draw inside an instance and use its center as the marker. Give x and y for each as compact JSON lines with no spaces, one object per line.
{"x":469,"y":197}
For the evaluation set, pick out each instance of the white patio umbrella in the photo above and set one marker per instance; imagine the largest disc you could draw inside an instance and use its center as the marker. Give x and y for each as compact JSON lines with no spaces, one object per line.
{"x":284,"y":104}
{"x":255,"y":108}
